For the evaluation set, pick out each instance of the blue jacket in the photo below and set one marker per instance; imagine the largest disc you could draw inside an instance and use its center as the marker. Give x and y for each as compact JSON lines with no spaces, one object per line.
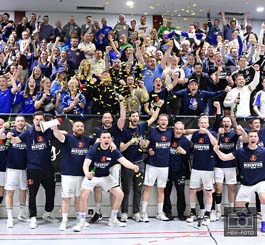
{"x":195,"y":105}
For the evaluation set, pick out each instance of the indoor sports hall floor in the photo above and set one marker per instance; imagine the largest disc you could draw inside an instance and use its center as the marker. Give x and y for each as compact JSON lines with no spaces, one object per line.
{"x":155,"y":232}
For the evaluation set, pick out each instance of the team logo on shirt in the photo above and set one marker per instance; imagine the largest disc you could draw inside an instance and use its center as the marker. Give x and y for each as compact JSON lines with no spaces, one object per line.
{"x":174,"y":144}
{"x":253,"y":158}
{"x":226,"y":140}
{"x":1,"y":142}
{"x":163,"y":138}
{"x":201,"y":140}
{"x":103,"y":159}
{"x":40,"y":139}
{"x":80,"y":144}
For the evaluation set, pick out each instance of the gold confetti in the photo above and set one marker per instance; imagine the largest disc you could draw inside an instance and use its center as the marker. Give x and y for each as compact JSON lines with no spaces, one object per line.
{"x":194,"y":4}
{"x":151,"y":7}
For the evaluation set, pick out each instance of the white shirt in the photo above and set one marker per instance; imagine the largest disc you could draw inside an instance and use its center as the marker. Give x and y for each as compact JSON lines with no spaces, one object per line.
{"x":243,"y":108}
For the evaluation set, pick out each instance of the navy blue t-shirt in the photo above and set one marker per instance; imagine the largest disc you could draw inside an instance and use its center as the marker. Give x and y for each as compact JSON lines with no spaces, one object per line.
{"x":251,"y":165}
{"x":103,"y":160}
{"x":227,"y":145}
{"x":6,"y":98}
{"x":176,"y":160}
{"x":133,"y":152}
{"x":3,"y":155}
{"x":160,"y":143}
{"x":115,"y":133}
{"x":17,"y":154}
{"x":203,"y":154}
{"x":74,"y":153}
{"x":38,"y":148}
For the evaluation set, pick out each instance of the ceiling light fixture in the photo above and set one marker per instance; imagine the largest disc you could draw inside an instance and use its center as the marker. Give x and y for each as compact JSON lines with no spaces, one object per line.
{"x":130,"y":4}
{"x":260,"y":9}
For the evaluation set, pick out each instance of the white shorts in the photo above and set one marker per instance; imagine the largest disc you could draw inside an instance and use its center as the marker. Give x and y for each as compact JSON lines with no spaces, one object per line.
{"x":115,"y":171}
{"x":246,"y":192}
{"x":200,"y":178}
{"x":71,"y":186}
{"x":15,"y":178}
{"x":227,"y":174}
{"x":2,"y":178}
{"x":106,"y":183}
{"x":153,"y":174}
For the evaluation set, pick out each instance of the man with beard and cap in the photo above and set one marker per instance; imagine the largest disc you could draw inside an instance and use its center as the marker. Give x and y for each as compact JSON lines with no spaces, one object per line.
{"x":74,"y":149}
{"x":132,"y":146}
{"x":100,"y":158}
{"x":194,"y":100}
{"x":40,"y":170}
{"x":252,"y":171}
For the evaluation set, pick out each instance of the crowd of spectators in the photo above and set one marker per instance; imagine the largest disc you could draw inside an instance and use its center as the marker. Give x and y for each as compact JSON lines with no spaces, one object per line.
{"x":72,"y":69}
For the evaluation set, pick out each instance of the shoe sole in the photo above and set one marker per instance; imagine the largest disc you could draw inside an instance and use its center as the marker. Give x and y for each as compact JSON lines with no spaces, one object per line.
{"x":94,"y":222}
{"x":75,"y":230}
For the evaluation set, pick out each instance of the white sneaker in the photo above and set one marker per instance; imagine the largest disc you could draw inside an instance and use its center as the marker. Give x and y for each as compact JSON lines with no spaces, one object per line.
{"x":9,"y":223}
{"x":33,"y":223}
{"x":116,"y":222}
{"x":162,"y":216}
{"x":218,"y":215}
{"x":63,"y":226}
{"x":137,"y":217}
{"x":79,"y":227}
{"x":213,"y":216}
{"x":78,"y":220}
{"x":49,"y":218}
{"x":144,"y":217}
{"x":192,"y":218}
{"x":124,"y":217}
{"x":23,"y":218}
{"x":206,"y":220}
